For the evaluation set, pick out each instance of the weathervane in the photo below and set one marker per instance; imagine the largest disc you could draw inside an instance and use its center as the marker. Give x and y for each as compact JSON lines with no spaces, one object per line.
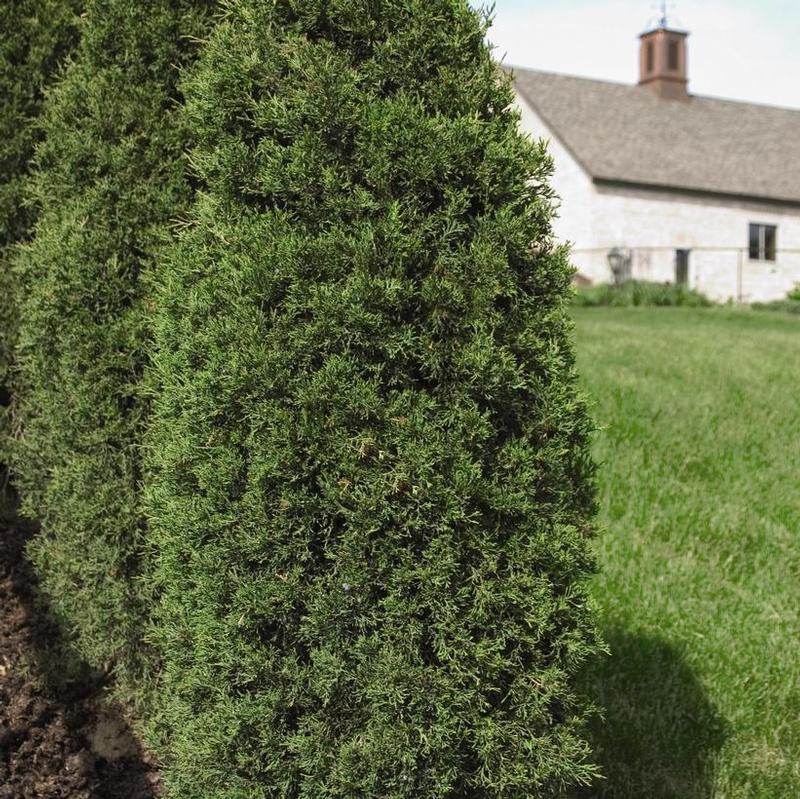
{"x":662,"y":18}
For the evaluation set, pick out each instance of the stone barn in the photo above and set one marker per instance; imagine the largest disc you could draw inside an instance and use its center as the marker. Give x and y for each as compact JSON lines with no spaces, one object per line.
{"x":670,"y":186}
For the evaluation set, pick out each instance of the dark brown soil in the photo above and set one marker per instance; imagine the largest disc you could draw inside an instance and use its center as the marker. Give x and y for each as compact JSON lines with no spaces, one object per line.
{"x":55,"y":743}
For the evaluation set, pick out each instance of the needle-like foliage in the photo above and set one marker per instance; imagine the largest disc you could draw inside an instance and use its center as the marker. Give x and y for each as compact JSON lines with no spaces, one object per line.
{"x":37,"y":35}
{"x":110,"y":176}
{"x":372,"y":491}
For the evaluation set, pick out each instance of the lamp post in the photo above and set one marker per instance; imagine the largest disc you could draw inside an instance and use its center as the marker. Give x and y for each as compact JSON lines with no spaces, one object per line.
{"x":620,"y":262}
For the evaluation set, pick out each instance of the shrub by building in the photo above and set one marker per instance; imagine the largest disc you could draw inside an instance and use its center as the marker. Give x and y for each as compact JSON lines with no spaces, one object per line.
{"x":636,"y":293}
{"x":371,"y":491}
{"x":110,"y":177}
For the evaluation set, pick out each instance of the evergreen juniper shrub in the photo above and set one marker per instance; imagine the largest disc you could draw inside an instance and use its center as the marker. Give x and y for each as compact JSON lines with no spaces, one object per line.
{"x":371,"y":490}
{"x":37,"y":35}
{"x":110,"y":176}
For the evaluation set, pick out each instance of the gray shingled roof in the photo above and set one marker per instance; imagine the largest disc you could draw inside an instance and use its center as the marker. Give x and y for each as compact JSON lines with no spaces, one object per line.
{"x":625,"y":133}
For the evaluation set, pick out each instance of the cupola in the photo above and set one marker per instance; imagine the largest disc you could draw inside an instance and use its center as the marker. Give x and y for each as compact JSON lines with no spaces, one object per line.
{"x":663,"y":66}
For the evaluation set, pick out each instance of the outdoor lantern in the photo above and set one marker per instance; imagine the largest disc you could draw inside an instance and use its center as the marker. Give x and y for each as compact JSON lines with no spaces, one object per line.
{"x":619,"y":261}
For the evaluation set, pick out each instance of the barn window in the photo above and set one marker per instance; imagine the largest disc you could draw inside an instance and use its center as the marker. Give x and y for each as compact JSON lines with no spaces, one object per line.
{"x":763,"y":242}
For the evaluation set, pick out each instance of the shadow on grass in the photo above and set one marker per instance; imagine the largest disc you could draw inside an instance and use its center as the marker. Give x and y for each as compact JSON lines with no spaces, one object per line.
{"x":661,"y":734}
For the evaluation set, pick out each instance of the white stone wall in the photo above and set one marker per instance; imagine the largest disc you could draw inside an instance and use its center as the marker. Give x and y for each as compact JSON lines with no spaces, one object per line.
{"x":653,"y":224}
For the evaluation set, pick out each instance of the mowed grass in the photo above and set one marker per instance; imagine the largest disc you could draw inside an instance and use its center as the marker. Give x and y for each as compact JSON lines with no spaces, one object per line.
{"x":699,"y":593}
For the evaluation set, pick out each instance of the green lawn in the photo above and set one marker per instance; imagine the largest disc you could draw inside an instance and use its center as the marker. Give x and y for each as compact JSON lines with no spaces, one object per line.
{"x":700,"y":550}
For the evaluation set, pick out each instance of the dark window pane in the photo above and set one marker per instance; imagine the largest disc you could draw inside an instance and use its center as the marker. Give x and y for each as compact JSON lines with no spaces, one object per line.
{"x":755,"y":248}
{"x":650,"y":57}
{"x":673,"y":55}
{"x":770,"y":242}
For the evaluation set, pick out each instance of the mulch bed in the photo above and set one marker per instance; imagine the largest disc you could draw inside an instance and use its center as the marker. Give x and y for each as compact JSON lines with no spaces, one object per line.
{"x":65,"y":743}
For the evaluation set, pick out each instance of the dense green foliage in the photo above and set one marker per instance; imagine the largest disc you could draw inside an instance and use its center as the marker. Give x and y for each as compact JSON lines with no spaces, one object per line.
{"x":372,"y":491}
{"x":700,"y":557}
{"x":36,"y":37}
{"x":636,"y":292}
{"x":110,"y":176}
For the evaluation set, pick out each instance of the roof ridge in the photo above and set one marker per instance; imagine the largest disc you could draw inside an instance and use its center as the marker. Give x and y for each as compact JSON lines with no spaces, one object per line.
{"x":608,"y":82}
